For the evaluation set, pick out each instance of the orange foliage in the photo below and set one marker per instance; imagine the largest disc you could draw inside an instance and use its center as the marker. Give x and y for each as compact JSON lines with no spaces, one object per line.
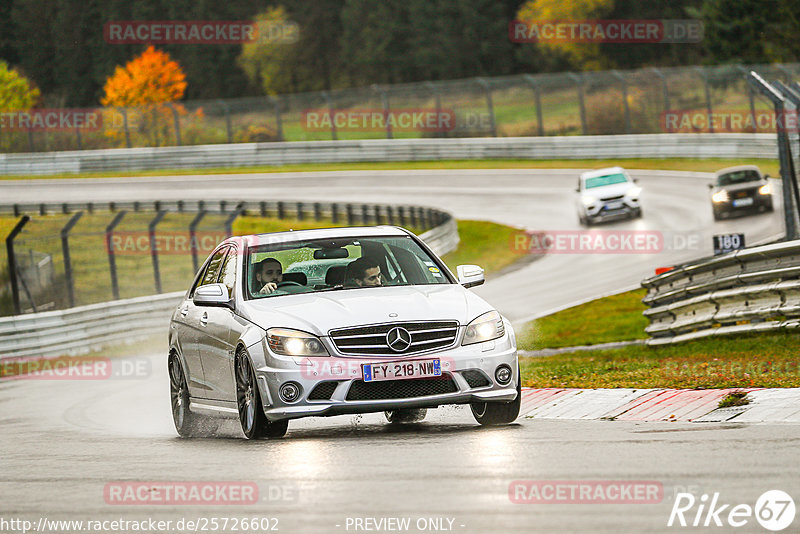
{"x":149,"y":78}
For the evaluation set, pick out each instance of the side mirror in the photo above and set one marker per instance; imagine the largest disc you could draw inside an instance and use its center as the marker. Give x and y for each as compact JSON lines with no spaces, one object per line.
{"x":470,"y":275}
{"x":711,"y":186}
{"x":636,"y":180}
{"x":577,"y":189}
{"x":767,"y":177}
{"x":212,"y":295}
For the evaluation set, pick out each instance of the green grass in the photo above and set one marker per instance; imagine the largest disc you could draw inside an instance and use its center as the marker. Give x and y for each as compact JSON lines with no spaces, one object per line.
{"x":615,"y":318}
{"x":483,"y":243}
{"x":765,"y":360}
{"x":675,"y":164}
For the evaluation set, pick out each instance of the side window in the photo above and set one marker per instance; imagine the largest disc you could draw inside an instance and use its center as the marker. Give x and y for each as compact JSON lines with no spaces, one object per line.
{"x":212,"y":271}
{"x":228,"y":276}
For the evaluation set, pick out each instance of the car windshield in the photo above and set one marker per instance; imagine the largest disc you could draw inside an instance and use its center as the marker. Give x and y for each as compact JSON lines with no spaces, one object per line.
{"x":608,"y":179}
{"x":738,"y":177}
{"x":339,"y":264}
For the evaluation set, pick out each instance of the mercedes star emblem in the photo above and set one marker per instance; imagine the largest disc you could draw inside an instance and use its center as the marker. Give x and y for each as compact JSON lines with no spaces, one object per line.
{"x":398,"y":339}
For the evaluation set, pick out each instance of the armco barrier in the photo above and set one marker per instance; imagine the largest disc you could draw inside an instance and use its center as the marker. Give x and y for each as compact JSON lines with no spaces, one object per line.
{"x":749,"y":290}
{"x":732,"y":145}
{"x":84,"y":328}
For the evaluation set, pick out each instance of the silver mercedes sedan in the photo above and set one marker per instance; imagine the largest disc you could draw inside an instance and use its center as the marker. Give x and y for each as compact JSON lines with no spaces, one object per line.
{"x":335,"y":321}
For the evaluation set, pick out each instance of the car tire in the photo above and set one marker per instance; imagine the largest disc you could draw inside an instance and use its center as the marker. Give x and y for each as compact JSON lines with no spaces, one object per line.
{"x":254,"y":422}
{"x":638,"y":213}
{"x":187,"y":424}
{"x":498,"y":413}
{"x":407,"y":415}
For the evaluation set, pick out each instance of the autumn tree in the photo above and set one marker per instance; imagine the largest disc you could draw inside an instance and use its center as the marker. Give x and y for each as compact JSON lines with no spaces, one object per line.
{"x":16,"y":92}
{"x":146,"y":83}
{"x":153,"y":77}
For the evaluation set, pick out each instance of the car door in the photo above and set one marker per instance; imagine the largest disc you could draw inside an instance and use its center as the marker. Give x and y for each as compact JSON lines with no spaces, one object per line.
{"x":193,"y":317}
{"x":221,"y":330}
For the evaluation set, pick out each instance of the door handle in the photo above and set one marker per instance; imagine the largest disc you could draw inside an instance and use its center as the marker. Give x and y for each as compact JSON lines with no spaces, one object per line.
{"x":184,"y":311}
{"x":204,"y":319}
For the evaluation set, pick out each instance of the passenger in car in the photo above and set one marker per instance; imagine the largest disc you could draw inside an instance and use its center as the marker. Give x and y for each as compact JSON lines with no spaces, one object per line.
{"x":268,"y":274}
{"x":364,"y":272}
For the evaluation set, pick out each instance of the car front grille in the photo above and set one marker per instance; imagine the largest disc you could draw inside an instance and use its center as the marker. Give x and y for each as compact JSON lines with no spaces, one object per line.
{"x":744,"y":193}
{"x":610,"y":199}
{"x":475,"y":378}
{"x":400,"y":389}
{"x":371,"y":340}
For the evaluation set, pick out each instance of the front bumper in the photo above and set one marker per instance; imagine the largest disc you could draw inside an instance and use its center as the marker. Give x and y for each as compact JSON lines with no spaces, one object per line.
{"x":346,"y":371}
{"x":612,"y":210}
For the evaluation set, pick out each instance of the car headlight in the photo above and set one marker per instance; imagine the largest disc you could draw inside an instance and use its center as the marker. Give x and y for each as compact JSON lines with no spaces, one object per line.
{"x":765,"y":189}
{"x":294,"y":343}
{"x":633,"y":192}
{"x":485,"y":327}
{"x":720,"y":196}
{"x":588,"y":200}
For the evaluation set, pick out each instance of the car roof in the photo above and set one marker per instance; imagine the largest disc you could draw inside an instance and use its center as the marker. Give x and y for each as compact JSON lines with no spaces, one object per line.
{"x":737,"y":168}
{"x":602,"y":172}
{"x":320,"y":233}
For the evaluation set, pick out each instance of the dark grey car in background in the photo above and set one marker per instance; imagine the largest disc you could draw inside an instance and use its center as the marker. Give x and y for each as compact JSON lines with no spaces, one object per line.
{"x":740,"y":189}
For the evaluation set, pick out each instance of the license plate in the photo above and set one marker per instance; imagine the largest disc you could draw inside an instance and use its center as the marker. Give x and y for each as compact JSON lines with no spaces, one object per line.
{"x":743,"y":202}
{"x":375,"y":372}
{"x":613,"y":205}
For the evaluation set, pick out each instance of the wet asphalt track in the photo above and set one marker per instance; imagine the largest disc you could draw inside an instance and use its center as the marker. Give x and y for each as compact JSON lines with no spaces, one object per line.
{"x":63,"y":441}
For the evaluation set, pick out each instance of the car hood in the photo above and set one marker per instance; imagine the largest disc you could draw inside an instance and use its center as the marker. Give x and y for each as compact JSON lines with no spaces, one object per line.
{"x":321,"y":312}
{"x":739,"y":187}
{"x":612,"y":190}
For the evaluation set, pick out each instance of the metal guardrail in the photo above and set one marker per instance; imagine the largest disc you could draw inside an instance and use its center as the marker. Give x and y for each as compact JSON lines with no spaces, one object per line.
{"x":723,"y":145}
{"x":750,"y":290}
{"x":82,"y":329}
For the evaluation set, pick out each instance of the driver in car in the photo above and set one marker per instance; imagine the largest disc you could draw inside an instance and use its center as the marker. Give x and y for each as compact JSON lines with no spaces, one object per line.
{"x":365,"y":272}
{"x":269,"y":273}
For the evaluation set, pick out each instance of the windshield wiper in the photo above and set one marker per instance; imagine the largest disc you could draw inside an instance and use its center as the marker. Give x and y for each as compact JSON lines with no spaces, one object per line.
{"x":334,"y":288}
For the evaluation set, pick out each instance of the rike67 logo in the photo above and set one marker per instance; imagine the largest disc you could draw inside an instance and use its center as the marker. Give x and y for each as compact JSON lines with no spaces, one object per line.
{"x":774,"y":510}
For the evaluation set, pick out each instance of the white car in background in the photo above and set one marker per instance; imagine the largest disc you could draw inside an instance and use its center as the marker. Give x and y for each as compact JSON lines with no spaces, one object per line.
{"x":607,"y":194}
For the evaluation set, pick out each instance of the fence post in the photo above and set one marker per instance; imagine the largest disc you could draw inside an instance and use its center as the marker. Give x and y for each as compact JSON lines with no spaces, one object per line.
{"x":12,"y":261}
{"x":438,"y":98}
{"x":538,"y":96}
{"x":350,"y":219}
{"x":193,"y":237}
{"x":487,"y":88}
{"x":386,"y":109}
{"x":624,"y":84}
{"x":112,"y":260}
{"x":276,"y":104}
{"x":317,"y":211}
{"x":67,"y":260}
{"x":299,"y":211}
{"x":151,"y":230}
{"x":664,"y":88}
{"x":231,"y":218}
{"x":125,"y":126}
{"x":228,"y":127}
{"x":177,"y":121}
{"x":578,"y":79}
{"x":78,"y":138}
{"x":334,"y":213}
{"x":707,"y":89}
{"x":332,"y":112}
{"x":364,"y":214}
